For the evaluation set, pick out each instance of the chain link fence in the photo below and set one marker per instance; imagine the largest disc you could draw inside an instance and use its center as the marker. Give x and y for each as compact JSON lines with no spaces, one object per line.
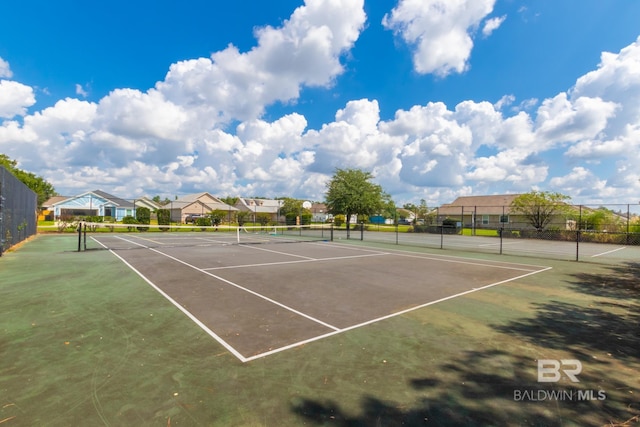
{"x":606,"y":233}
{"x":18,"y":211}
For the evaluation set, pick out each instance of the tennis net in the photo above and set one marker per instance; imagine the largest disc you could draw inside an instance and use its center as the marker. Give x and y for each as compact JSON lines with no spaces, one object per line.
{"x":135,"y":236}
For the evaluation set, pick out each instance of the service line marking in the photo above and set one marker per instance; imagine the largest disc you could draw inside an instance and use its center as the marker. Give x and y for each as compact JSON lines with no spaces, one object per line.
{"x":608,"y":252}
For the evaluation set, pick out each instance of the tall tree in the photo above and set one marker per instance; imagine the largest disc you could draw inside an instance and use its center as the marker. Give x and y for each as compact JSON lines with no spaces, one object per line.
{"x":420,"y":211}
{"x":351,"y":192}
{"x":539,"y":207}
{"x":37,"y":184}
{"x":291,"y":206}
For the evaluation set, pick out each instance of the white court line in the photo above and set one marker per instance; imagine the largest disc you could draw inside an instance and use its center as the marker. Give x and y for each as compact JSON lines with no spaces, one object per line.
{"x":180,"y":307}
{"x":608,"y":252}
{"x":496,"y":244}
{"x":187,"y":313}
{"x":276,"y":252}
{"x":448,"y":258}
{"x":480,"y":264}
{"x":266,"y":264}
{"x":173,"y":239}
{"x":389,"y":316}
{"x":279,"y":304}
{"x":319,"y":337}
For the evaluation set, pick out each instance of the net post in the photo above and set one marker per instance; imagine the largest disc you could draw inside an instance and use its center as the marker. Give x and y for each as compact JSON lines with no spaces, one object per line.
{"x":361,"y":230}
{"x":85,"y":236}
{"x":238,"y":234}
{"x":79,"y":237}
{"x":331,"y":232}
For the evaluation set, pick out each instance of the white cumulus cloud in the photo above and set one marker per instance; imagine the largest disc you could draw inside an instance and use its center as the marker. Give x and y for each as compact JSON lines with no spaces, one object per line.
{"x":439,"y":32}
{"x":5,"y":69}
{"x":305,"y":51}
{"x":492,"y":24}
{"x":15,"y":98}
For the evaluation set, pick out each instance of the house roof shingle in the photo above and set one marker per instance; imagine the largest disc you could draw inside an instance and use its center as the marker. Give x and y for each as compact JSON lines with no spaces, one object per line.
{"x":488,"y":205}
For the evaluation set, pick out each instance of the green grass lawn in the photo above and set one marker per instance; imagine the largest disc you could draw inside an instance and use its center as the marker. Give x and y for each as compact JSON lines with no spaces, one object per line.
{"x":479,"y":232}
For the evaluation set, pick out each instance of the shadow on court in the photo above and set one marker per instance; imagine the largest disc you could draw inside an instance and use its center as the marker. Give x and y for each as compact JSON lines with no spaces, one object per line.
{"x":480,"y":388}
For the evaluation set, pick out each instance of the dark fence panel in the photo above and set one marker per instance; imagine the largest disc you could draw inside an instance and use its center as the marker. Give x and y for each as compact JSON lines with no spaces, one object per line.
{"x":18,"y":211}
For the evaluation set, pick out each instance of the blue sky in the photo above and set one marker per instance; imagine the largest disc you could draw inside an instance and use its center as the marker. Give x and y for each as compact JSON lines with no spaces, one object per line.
{"x":253,"y":98}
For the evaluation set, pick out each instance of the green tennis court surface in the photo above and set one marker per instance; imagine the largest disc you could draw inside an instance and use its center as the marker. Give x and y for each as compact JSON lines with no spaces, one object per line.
{"x":309,"y":334}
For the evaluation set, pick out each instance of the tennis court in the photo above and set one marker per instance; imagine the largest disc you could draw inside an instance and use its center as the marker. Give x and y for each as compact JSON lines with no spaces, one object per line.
{"x":196,"y":328}
{"x":260,"y":299}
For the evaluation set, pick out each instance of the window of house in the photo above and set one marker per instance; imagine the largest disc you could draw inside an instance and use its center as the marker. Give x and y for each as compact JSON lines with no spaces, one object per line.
{"x":485,"y":219}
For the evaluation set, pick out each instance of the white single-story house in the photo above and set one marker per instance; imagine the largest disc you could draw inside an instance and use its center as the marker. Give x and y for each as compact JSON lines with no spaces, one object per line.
{"x":319,"y":213}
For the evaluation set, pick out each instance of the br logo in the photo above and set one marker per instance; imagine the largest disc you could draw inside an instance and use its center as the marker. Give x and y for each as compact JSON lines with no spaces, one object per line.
{"x":549,"y":370}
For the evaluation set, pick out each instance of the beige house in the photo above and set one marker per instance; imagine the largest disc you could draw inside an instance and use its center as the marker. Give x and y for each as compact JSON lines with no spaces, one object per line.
{"x":199,"y":204}
{"x":145,"y":202}
{"x":491,"y":212}
{"x":479,"y":211}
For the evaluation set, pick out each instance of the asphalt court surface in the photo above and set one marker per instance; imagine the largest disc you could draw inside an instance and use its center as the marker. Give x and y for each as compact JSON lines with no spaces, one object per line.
{"x":260,"y":299}
{"x":549,"y":248}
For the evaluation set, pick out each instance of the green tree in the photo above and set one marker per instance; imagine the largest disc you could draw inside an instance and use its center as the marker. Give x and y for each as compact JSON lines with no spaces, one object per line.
{"x":242,"y":217}
{"x":539,"y":207}
{"x":291,"y":207}
{"x":600,"y":219}
{"x":143,"y":216}
{"x":263,"y":218}
{"x":161,"y":202}
{"x":164,"y":218}
{"x":420,"y":211}
{"x":37,"y":184}
{"x":230,"y":200}
{"x":351,"y":192}
{"x":217,"y":216}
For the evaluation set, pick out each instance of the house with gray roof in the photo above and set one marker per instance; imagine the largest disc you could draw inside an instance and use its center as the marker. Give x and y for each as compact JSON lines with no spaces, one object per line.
{"x":93,"y":203}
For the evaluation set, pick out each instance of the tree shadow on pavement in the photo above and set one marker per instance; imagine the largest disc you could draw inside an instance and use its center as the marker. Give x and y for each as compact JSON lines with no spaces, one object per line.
{"x":500,"y":387}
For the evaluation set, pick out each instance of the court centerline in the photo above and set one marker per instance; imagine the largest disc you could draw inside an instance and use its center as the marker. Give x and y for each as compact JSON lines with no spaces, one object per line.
{"x":276,"y":252}
{"x":300,"y":261}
